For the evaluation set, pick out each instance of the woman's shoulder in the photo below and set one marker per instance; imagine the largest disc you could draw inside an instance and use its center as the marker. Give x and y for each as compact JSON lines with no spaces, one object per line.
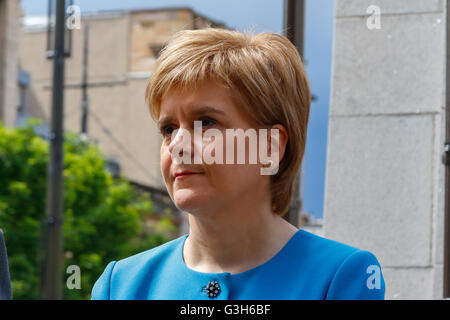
{"x":330,"y":253}
{"x":352,"y":273}
{"x":130,"y":271}
{"x":314,"y":245}
{"x":159,"y":253}
{"x":331,"y":256}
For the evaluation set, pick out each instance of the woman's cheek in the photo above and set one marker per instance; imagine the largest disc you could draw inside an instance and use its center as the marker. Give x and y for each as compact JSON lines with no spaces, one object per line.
{"x":209,"y":152}
{"x":165,"y":163}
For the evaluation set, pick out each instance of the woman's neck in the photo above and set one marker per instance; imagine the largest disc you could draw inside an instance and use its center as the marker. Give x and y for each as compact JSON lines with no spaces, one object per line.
{"x":235,"y":239}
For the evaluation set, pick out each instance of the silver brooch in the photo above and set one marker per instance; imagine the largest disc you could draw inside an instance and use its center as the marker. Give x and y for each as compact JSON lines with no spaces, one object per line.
{"x":212,"y":289}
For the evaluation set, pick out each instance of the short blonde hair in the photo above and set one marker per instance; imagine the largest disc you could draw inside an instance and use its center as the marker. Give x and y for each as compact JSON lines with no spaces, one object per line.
{"x":266,"y":76}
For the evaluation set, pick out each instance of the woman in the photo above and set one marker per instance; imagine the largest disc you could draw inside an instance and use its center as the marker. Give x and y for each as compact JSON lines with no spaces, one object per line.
{"x":214,"y":82}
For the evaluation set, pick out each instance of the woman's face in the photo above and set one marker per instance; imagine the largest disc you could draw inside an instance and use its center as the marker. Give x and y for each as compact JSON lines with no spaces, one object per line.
{"x":213,"y":185}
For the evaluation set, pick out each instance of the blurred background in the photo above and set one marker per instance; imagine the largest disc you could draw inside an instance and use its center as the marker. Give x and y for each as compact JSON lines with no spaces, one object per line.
{"x":374,"y":172}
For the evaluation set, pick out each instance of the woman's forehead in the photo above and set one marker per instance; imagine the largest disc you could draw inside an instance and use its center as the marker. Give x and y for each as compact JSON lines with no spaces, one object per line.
{"x":208,"y":97}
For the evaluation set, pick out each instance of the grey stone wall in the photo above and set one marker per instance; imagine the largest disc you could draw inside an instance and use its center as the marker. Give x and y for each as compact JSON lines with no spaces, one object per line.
{"x":384,"y":182}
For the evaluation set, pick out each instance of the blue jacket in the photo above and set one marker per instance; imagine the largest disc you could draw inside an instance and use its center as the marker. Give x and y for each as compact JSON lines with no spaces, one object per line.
{"x":307,"y":267}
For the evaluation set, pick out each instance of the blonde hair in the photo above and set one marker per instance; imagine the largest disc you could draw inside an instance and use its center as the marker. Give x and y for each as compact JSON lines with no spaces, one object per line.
{"x":266,"y":76}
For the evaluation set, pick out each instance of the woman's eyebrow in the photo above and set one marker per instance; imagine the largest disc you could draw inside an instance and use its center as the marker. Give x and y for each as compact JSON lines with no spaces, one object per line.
{"x":198,"y":111}
{"x":206,"y":109}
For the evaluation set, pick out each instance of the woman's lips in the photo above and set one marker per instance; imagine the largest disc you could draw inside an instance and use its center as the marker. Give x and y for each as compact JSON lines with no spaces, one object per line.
{"x":185,"y":175}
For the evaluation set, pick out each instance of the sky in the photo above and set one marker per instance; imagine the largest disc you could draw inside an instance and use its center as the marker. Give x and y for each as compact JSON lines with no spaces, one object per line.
{"x":263,"y":15}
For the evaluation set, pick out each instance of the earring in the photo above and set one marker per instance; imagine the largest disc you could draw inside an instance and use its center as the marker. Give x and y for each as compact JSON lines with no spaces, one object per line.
{"x":268,"y":164}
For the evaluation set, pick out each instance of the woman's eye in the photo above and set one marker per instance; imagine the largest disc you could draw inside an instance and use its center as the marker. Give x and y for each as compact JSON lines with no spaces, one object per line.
{"x":166,"y":131}
{"x":207,"y":121}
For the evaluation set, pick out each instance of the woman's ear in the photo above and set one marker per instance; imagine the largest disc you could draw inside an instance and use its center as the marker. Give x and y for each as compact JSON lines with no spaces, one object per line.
{"x":282,"y":140}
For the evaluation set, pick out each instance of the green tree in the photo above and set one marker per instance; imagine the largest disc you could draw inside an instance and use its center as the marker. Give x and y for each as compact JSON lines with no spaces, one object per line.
{"x":105,"y":219}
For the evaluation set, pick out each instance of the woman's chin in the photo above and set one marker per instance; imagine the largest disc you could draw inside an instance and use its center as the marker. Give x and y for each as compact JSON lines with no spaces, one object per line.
{"x":187,"y":200}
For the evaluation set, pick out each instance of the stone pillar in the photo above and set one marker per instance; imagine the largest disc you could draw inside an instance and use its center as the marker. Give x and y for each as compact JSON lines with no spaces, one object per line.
{"x":385,"y":180}
{"x":9,"y":24}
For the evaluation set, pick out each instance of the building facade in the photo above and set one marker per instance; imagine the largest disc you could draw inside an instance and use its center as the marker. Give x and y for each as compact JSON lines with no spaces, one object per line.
{"x":122,"y":50}
{"x":10,"y":14}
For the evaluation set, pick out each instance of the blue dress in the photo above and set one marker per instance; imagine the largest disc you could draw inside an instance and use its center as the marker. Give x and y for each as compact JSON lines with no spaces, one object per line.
{"x":307,"y":267}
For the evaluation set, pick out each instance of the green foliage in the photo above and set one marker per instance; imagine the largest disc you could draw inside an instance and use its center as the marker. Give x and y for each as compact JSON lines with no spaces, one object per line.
{"x":105,"y":219}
